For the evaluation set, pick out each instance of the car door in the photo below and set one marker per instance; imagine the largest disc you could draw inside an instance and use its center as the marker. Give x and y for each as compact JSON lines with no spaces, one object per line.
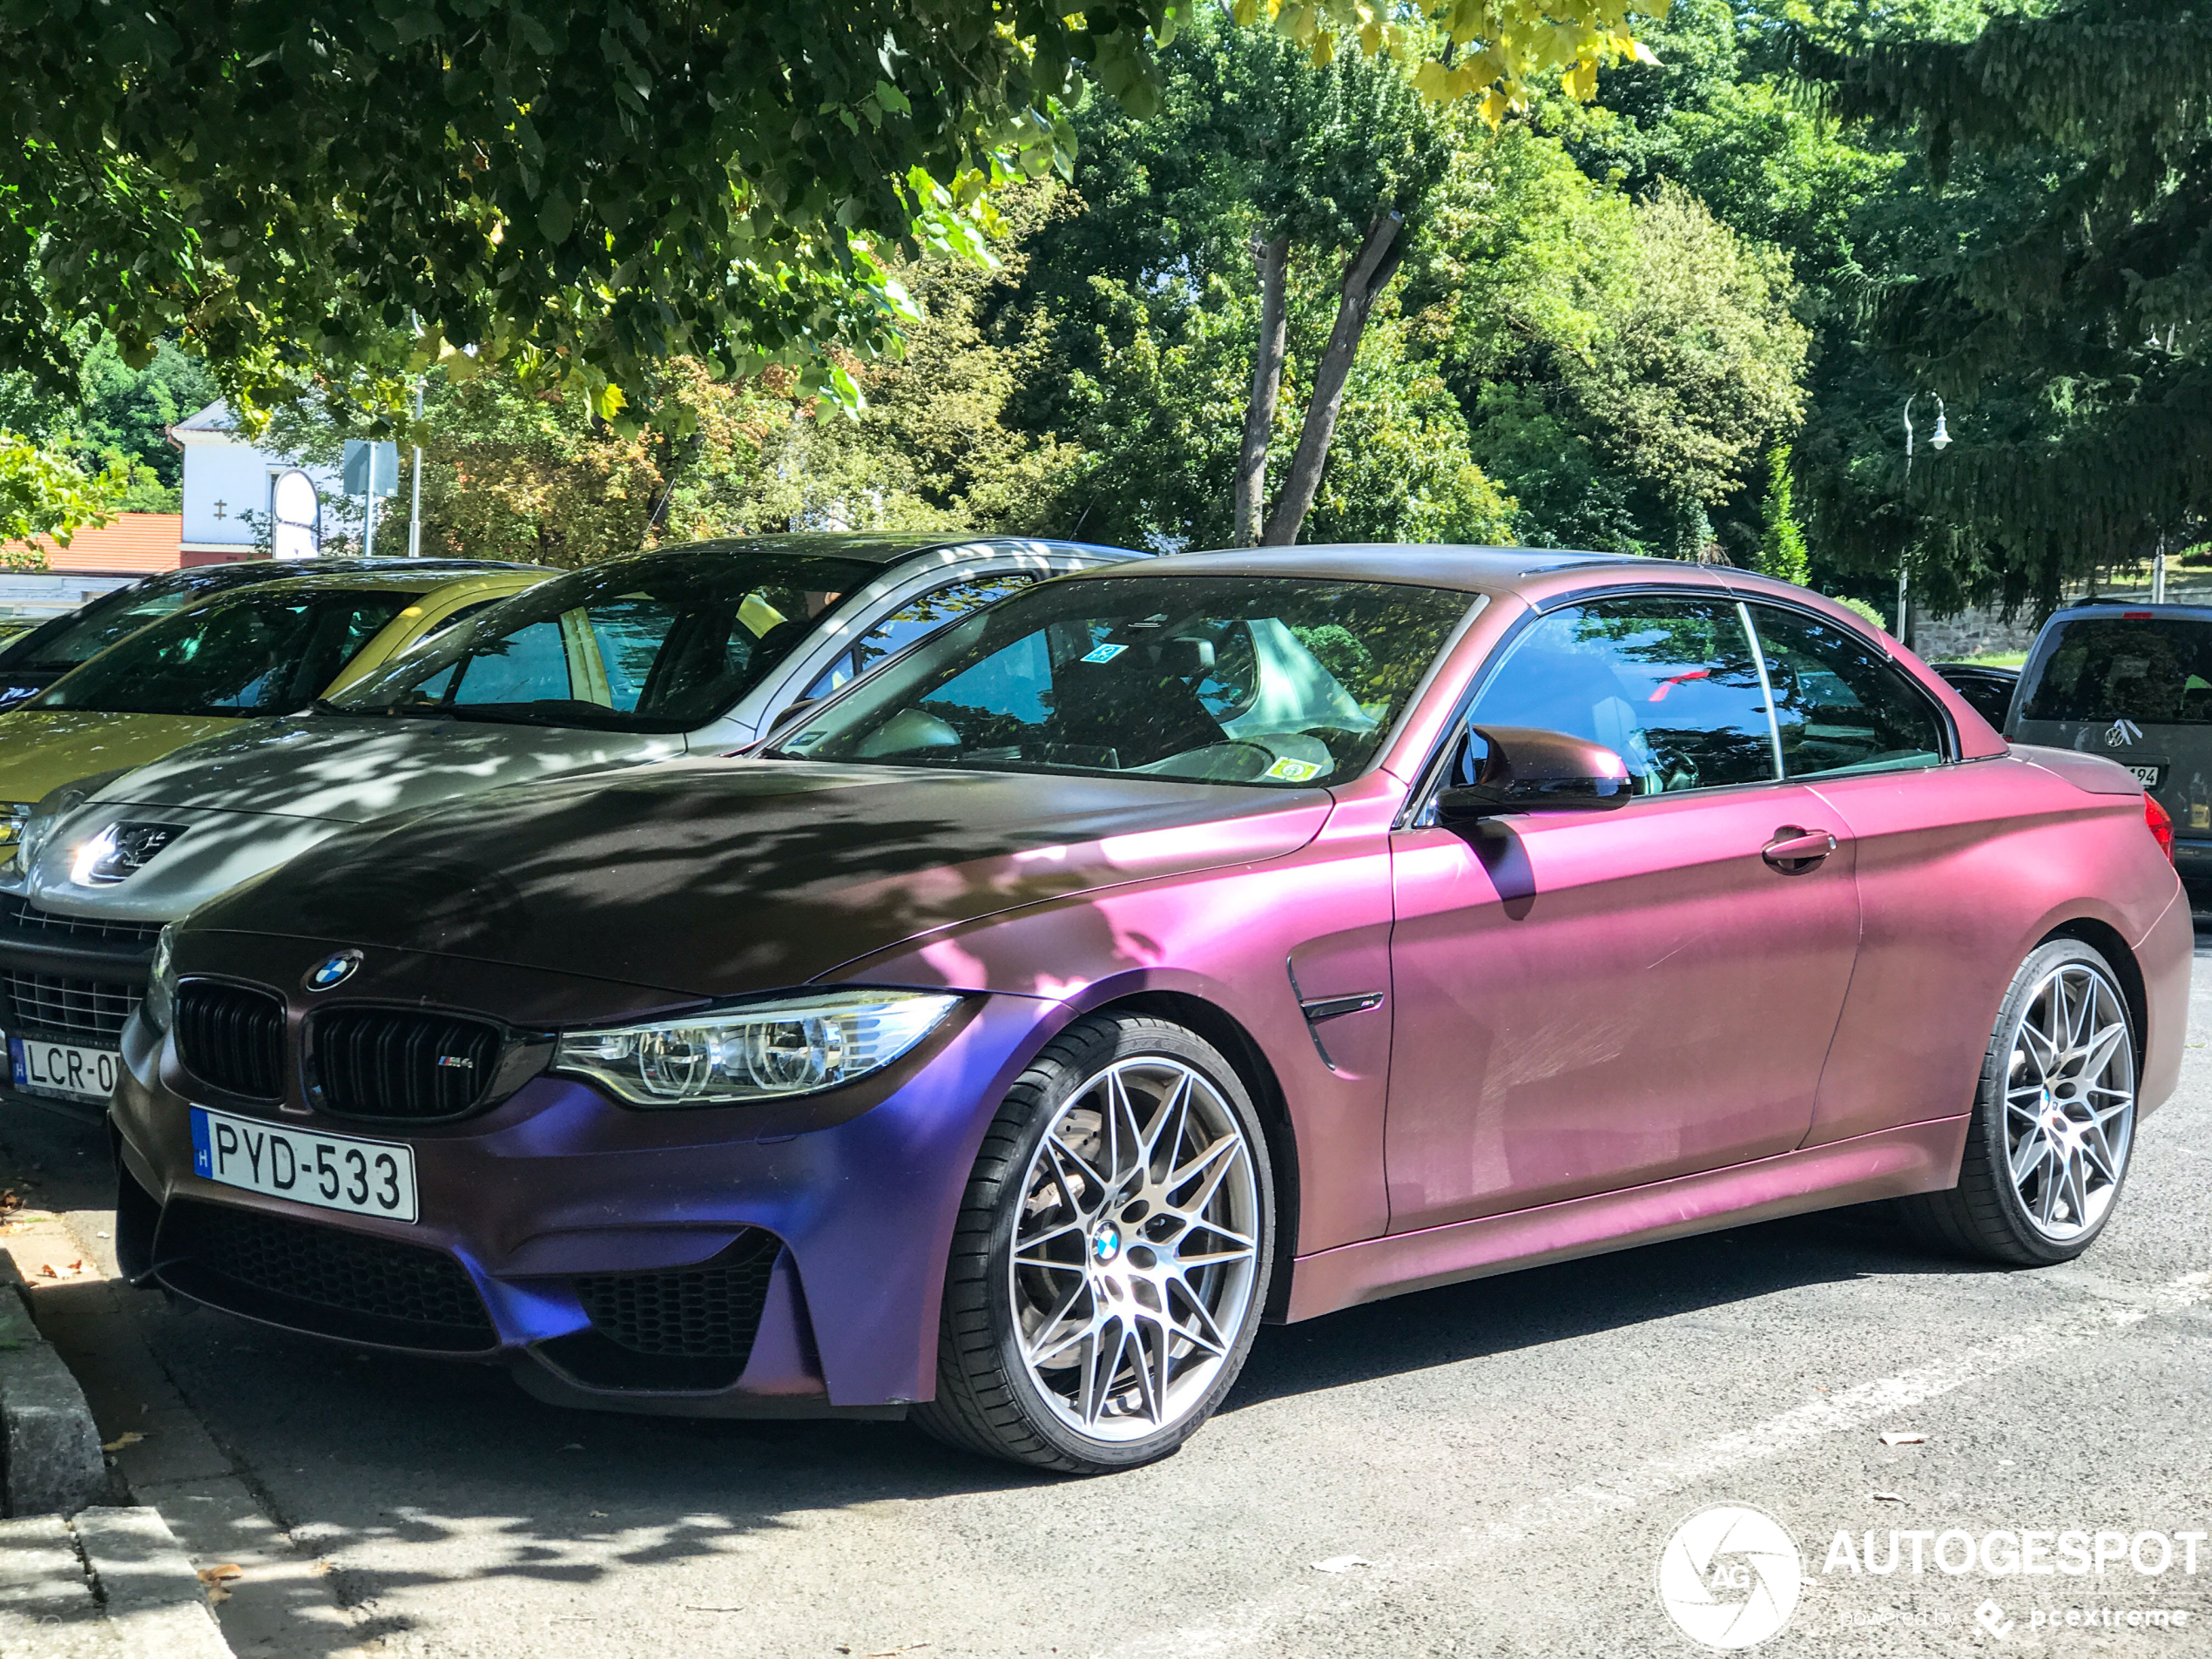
{"x":1934,"y":953}
{"x":1591,"y":1001}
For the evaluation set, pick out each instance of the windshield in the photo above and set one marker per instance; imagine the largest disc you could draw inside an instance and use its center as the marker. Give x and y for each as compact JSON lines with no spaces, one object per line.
{"x":67,"y":641}
{"x":262,"y":651}
{"x":2110,"y":668}
{"x":663,"y":643}
{"x":1267,"y":680}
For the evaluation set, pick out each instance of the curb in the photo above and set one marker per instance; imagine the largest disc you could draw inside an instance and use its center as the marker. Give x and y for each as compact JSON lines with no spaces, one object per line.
{"x":109,"y":1584}
{"x":49,"y":1451}
{"x":155,"y":1600}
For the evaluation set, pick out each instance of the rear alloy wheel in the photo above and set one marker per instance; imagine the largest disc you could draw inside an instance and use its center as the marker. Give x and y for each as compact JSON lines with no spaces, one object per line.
{"x":2053,"y":1123}
{"x":1112,"y":1256}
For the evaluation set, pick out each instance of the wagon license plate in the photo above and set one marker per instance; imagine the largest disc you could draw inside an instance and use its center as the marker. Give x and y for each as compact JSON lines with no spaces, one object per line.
{"x":330,"y":1171}
{"x":2150,"y":773}
{"x":63,"y":1069}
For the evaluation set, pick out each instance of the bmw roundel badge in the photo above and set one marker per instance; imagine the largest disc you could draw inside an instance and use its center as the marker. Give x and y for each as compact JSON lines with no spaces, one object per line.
{"x":332,"y":970}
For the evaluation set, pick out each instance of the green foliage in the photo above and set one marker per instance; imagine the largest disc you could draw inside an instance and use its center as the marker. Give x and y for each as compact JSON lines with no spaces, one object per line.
{"x":46,"y":494}
{"x":2049,"y":280}
{"x":579,"y":191}
{"x":1865,"y":612}
{"x":1782,"y":548}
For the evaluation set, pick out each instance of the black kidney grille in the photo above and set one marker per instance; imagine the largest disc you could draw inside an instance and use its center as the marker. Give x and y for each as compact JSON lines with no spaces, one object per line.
{"x":398,"y":1063}
{"x":709,"y":1312}
{"x":232,"y":1037}
{"x":326,"y":1280}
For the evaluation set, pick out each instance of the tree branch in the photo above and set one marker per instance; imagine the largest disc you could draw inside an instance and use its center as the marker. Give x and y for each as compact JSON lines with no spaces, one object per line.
{"x":1371,"y":273}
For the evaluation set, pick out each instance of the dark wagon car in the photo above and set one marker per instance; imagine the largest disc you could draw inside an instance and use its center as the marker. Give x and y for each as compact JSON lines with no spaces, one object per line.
{"x":2133,"y":684}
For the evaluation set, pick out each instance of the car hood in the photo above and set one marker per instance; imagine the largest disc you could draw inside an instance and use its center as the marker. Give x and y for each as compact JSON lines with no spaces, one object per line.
{"x":351,"y":770}
{"x":717,"y":878}
{"x":240,"y":803}
{"x":43,"y":750}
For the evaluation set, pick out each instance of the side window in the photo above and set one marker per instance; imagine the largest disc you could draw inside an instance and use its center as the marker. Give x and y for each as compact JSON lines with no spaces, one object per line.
{"x":530,"y":665}
{"x":916,"y":619}
{"x":1840,"y":705}
{"x":1670,"y":685}
{"x":461,"y":615}
{"x":631,"y":631}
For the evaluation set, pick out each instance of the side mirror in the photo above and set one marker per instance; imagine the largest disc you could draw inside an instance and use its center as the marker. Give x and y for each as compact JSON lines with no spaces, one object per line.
{"x":1531,"y":770}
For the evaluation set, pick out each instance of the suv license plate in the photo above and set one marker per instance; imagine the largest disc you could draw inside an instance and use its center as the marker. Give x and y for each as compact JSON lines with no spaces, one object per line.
{"x":63,"y":1069}
{"x":330,"y":1171}
{"x":2151,"y":775}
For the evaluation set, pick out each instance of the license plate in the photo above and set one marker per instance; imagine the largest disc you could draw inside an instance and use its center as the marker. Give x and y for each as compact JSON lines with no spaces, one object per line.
{"x":330,"y":1171}
{"x":2149,"y":776}
{"x":63,"y":1069}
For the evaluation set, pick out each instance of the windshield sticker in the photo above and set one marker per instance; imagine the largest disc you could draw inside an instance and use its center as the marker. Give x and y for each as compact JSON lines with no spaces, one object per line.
{"x":1103,"y":654}
{"x":1292,"y":771}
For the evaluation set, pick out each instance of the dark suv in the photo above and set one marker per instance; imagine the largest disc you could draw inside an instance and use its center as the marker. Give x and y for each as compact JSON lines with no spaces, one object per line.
{"x":2133,"y":684}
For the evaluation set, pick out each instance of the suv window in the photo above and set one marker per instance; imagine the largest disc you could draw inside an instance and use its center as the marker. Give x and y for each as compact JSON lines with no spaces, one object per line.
{"x":1840,"y":705}
{"x":1670,"y":685}
{"x":918,"y":618}
{"x":2109,"y":668}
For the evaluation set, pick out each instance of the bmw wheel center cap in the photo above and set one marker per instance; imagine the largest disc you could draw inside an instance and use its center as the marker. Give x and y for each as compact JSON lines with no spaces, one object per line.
{"x":332,"y":970}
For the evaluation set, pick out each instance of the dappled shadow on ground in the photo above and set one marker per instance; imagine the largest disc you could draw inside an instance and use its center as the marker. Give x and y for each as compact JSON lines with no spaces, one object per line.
{"x":1580,"y":1300}
{"x":409,"y":1474}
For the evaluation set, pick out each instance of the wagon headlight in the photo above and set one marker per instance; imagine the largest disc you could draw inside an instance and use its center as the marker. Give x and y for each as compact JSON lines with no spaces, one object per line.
{"x":761,"y":1051}
{"x":14,"y":814}
{"x":160,"y":1006}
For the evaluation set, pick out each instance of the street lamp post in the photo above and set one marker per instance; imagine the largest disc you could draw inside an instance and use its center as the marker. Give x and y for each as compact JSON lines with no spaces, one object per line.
{"x":1938,"y":441}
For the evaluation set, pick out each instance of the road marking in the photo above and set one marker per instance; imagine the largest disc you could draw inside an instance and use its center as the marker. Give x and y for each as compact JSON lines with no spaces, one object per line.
{"x":2120,"y":1306}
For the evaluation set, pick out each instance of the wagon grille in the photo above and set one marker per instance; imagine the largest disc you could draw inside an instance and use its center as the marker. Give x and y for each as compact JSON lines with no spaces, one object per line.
{"x":396,"y":1064}
{"x":232,"y":1038}
{"x":18,"y":914}
{"x":322,"y":1279}
{"x":89,"y":1012}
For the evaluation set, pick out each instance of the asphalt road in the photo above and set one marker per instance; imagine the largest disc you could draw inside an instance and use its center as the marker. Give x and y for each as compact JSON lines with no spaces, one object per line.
{"x":1503,"y":1461}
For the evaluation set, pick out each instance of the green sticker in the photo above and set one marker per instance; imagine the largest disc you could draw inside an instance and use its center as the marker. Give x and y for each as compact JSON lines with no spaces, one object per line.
{"x":1293,"y":772}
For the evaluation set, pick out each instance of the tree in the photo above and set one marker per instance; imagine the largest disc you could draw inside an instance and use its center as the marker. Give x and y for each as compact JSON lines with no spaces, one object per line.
{"x":582,"y":190}
{"x":2064,"y":316}
{"x":45,"y":494}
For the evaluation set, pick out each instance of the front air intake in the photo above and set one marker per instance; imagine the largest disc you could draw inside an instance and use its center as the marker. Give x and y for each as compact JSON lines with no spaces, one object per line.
{"x":232,"y":1037}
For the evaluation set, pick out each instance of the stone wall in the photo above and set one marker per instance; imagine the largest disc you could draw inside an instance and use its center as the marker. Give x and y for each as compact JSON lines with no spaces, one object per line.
{"x":1971,"y":633}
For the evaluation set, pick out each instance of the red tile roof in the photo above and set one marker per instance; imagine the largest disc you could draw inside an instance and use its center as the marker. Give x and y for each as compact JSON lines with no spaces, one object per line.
{"x":135,"y":544}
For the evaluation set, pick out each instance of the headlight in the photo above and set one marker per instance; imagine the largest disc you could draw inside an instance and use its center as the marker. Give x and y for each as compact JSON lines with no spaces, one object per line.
{"x":761,"y":1051}
{"x":160,"y":1006}
{"x":14,"y":814}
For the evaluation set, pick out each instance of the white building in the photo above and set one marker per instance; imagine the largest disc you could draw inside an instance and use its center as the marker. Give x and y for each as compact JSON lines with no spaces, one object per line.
{"x":227,"y":480}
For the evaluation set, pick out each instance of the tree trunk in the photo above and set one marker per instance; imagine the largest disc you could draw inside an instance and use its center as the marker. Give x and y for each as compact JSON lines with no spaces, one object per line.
{"x":1372,"y":270}
{"x":1274,"y":259}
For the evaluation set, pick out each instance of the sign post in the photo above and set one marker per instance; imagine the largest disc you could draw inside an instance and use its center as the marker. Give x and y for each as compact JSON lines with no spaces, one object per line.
{"x":372,"y":469}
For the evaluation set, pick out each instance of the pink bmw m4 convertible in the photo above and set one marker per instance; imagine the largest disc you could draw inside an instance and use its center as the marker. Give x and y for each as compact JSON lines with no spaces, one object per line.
{"x":1166,"y":947}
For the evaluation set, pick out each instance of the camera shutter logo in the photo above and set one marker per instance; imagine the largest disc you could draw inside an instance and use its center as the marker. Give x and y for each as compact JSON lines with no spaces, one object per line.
{"x":1729,"y":1577}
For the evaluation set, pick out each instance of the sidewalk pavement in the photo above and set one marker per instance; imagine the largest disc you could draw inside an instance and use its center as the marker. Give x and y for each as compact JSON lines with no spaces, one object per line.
{"x":276,"y":1598}
{"x":105,"y":1583}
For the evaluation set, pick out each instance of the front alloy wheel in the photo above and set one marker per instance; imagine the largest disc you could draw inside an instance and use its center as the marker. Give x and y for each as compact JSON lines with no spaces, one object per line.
{"x":1112,"y":1255}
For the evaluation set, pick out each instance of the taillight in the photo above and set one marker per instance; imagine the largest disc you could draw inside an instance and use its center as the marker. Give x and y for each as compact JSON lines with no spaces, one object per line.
{"x":2162,"y":824}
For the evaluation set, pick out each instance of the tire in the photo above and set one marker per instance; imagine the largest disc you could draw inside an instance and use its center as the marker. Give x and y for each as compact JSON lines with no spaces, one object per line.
{"x":2053,"y":1124}
{"x":1038,"y":1358}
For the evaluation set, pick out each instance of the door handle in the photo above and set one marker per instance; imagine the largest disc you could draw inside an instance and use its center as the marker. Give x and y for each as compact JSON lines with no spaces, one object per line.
{"x":1793,"y":851}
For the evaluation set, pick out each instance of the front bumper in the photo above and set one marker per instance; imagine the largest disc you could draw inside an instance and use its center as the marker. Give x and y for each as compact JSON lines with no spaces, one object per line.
{"x":833,"y":1235}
